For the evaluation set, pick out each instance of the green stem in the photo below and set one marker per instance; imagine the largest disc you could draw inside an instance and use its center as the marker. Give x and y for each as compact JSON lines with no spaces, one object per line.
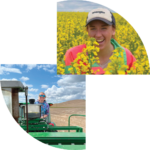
{"x":73,"y":67}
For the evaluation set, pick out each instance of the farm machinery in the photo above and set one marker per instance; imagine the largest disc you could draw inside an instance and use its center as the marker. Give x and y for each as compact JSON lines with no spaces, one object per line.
{"x":28,"y":116}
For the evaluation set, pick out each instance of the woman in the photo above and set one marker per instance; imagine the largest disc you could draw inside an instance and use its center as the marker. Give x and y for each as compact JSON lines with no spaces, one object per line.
{"x":45,"y":106}
{"x":100,"y":24}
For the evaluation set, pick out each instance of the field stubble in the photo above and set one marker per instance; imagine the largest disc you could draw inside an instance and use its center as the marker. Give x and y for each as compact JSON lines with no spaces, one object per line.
{"x":61,"y":112}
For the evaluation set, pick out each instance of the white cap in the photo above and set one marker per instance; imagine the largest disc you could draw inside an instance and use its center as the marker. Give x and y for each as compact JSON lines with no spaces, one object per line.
{"x":102,"y":14}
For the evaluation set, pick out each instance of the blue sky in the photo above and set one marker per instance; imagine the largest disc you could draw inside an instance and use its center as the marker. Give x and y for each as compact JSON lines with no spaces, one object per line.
{"x":43,"y":77}
{"x":77,"y":5}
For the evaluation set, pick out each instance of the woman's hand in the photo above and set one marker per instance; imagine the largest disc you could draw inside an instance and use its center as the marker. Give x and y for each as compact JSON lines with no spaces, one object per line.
{"x":43,"y":116}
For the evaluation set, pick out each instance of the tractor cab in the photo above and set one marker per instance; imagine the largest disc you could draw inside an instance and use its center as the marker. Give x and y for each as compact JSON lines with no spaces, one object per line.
{"x":34,"y":111}
{"x":21,"y":111}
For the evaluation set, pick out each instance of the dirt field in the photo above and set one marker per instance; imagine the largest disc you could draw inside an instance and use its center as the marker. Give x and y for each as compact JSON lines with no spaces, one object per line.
{"x":60,"y":113}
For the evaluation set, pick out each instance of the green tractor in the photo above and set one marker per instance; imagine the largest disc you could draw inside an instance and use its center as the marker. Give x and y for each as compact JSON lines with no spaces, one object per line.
{"x":32,"y":116}
{"x":28,"y":115}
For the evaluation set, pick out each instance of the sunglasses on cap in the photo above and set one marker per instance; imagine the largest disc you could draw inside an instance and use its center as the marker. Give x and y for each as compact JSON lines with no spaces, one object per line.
{"x":42,"y":95}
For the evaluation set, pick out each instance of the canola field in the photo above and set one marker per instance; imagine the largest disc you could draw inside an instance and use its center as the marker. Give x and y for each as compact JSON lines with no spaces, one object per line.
{"x":71,"y":32}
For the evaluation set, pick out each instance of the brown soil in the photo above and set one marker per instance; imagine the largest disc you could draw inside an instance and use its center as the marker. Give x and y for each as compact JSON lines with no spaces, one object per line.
{"x":60,"y":113}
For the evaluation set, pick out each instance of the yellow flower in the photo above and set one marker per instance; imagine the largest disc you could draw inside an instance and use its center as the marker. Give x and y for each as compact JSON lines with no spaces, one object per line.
{"x":82,"y":56}
{"x":95,"y":53}
{"x":96,"y":71}
{"x":139,"y":74}
{"x":61,"y":65}
{"x":75,"y":65}
{"x":115,"y":50}
{"x":78,"y":72}
{"x":70,"y":69}
{"x":147,"y":63}
{"x":112,"y":57}
{"x":64,"y":58}
{"x":144,"y":52}
{"x":121,"y":73}
{"x":117,"y":54}
{"x":62,"y":72}
{"x":128,"y":71}
{"x":97,"y":49}
{"x":95,"y":43}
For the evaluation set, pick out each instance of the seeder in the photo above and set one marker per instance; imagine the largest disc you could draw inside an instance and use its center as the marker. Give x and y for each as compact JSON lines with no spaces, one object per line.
{"x":28,"y":115}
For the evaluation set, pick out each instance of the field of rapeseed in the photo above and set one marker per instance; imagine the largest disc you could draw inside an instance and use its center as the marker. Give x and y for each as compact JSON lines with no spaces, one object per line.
{"x":71,"y":32}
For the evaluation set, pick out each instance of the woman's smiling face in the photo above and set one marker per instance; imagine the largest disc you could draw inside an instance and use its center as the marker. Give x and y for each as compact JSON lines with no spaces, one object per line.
{"x":41,"y":99}
{"x":102,"y":32}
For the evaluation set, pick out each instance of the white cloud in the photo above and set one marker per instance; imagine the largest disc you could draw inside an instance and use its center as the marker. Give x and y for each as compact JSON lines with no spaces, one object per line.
{"x":49,"y":70}
{"x":52,"y":65}
{"x":33,"y":90}
{"x":20,"y":64}
{"x":7,"y":70}
{"x":24,"y":78}
{"x":21,"y":94}
{"x":47,"y":67}
{"x":31,"y":66}
{"x":44,"y":66}
{"x":28,"y":85}
{"x":58,"y":76}
{"x":84,"y":93}
{"x":30,"y":96}
{"x":70,"y":87}
{"x":44,"y":86}
{"x":9,"y":79}
{"x":68,"y":80}
{"x":60,"y":5}
{"x":8,"y":65}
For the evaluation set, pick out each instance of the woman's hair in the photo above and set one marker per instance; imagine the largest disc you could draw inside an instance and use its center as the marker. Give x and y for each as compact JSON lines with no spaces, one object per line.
{"x":43,"y":93}
{"x":113,"y":36}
